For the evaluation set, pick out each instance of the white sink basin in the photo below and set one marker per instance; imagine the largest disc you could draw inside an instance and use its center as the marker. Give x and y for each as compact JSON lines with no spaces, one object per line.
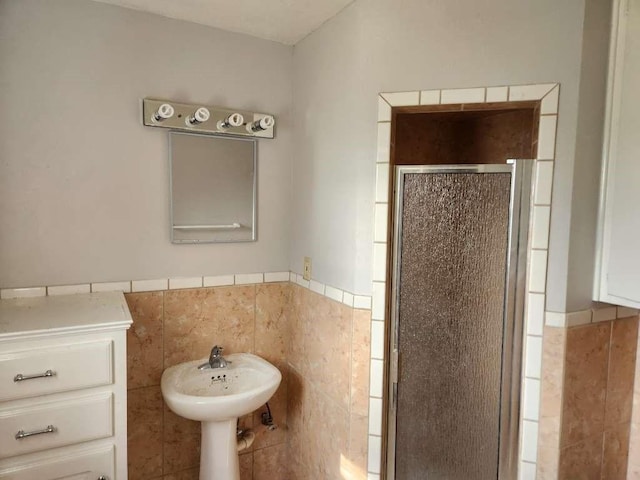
{"x":219,"y":394}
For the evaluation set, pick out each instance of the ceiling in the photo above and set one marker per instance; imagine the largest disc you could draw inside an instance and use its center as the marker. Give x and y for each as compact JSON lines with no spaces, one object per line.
{"x":284,"y":21}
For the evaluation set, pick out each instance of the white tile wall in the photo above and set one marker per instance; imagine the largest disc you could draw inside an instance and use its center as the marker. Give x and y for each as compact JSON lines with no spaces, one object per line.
{"x":535,"y":313}
{"x":347,"y":299}
{"x":247,"y":278}
{"x":316,"y":287}
{"x":191,"y":282}
{"x":379,"y":262}
{"x":382,"y":183}
{"x":334,"y":293}
{"x":529,"y":441}
{"x":375,"y":453}
{"x":68,"y":289}
{"x":218,"y":281}
{"x":362,"y":302}
{"x":547,"y":137}
{"x":377,"y":310}
{"x":429,"y":97}
{"x":375,"y":382}
{"x":533,"y":357}
{"x":544,"y":183}
{"x":149,"y":285}
{"x":384,"y":142}
{"x":462,"y":95}
{"x":377,"y":339}
{"x":540,"y":229}
{"x":527,"y":471}
{"x":531,"y":407}
{"x":549,"y":103}
{"x":497,"y":94}
{"x":23,"y":292}
{"x":530,"y":92}
{"x":401,"y":99}
{"x":276,"y":277}
{"x":537,"y":270}
{"x":375,"y":416}
{"x":384,"y":110}
{"x":111,"y":287}
{"x":380,"y":222}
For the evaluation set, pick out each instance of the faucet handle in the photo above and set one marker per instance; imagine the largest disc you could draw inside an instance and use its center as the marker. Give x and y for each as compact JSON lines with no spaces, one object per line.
{"x":216,"y":351}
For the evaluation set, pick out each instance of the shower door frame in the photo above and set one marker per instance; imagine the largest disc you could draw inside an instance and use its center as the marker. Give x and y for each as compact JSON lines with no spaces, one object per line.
{"x":513,"y":310}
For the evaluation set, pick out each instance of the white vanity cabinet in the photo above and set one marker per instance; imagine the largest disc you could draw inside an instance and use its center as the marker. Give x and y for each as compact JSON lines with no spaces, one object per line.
{"x":618,"y":256}
{"x":63,"y":407}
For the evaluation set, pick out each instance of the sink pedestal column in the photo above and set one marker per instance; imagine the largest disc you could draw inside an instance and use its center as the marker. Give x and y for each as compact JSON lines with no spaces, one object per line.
{"x":219,"y":451}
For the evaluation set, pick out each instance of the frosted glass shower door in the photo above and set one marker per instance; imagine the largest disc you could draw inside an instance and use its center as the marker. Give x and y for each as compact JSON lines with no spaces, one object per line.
{"x":454,"y":375}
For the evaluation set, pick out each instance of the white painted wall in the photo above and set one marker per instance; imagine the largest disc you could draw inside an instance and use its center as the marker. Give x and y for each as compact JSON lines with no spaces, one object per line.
{"x":381,"y":45}
{"x":83,"y":185}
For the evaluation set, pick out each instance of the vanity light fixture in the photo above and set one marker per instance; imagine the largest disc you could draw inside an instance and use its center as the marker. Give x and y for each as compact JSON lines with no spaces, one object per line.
{"x":164,"y":111}
{"x":206,"y":119}
{"x":262,"y":124}
{"x":233,"y":120}
{"x":199,"y":116}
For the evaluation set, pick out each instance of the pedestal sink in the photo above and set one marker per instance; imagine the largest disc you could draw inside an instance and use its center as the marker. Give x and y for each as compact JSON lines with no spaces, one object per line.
{"x":217,"y":397}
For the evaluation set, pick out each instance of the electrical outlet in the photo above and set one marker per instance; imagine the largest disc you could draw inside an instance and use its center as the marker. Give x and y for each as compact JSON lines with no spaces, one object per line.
{"x":306,"y":270}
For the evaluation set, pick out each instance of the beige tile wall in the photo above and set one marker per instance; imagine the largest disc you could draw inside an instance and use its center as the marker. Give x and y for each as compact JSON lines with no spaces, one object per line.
{"x":586,"y":402}
{"x":328,"y":388}
{"x":170,"y":327}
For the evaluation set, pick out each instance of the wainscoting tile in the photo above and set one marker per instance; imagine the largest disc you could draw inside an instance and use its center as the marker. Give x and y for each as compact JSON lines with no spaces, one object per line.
{"x":462,"y":95}
{"x":384,"y":142}
{"x":144,"y":432}
{"x":429,"y":97}
{"x":497,"y":94}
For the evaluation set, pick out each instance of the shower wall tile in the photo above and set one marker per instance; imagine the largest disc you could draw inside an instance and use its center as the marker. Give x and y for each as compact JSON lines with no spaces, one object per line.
{"x":462,"y":95}
{"x":401,"y":99}
{"x":144,"y":339}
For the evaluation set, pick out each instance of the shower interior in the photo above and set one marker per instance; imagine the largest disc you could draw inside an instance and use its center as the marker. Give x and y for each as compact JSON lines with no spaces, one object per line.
{"x":455,"y":305}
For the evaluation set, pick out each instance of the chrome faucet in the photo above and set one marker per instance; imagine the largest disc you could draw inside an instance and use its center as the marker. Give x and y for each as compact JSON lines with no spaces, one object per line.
{"x":216,"y":360}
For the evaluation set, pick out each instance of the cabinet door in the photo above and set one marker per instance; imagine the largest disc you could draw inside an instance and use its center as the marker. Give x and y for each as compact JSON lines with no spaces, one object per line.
{"x":619,"y":261}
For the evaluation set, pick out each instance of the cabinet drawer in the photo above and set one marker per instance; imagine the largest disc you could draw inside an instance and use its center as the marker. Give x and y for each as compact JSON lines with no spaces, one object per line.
{"x":72,"y":421}
{"x":83,"y":465}
{"x":71,"y":367}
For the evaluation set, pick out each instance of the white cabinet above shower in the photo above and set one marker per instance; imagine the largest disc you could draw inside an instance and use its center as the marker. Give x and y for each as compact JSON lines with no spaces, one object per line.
{"x":617,"y":278}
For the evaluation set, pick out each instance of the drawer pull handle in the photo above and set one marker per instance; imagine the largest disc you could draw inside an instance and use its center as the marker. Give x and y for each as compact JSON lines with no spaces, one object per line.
{"x":22,"y":434}
{"x":20,"y":377}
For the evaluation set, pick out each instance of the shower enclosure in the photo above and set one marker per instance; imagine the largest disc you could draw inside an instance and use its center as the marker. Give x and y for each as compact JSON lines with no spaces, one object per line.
{"x":456,"y":309}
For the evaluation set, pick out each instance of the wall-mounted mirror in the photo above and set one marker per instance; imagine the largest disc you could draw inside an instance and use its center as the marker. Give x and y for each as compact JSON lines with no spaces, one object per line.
{"x":213,"y":188}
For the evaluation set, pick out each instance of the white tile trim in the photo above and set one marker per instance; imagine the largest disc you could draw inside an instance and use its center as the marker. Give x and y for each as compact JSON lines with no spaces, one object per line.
{"x":547,"y":94}
{"x":28,"y":292}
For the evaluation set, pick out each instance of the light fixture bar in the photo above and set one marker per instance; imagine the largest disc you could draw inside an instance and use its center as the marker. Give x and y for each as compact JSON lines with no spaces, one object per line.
{"x":206,"y":119}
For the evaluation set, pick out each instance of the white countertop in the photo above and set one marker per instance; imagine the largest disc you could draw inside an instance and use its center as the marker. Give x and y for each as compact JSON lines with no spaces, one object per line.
{"x":26,"y":317}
